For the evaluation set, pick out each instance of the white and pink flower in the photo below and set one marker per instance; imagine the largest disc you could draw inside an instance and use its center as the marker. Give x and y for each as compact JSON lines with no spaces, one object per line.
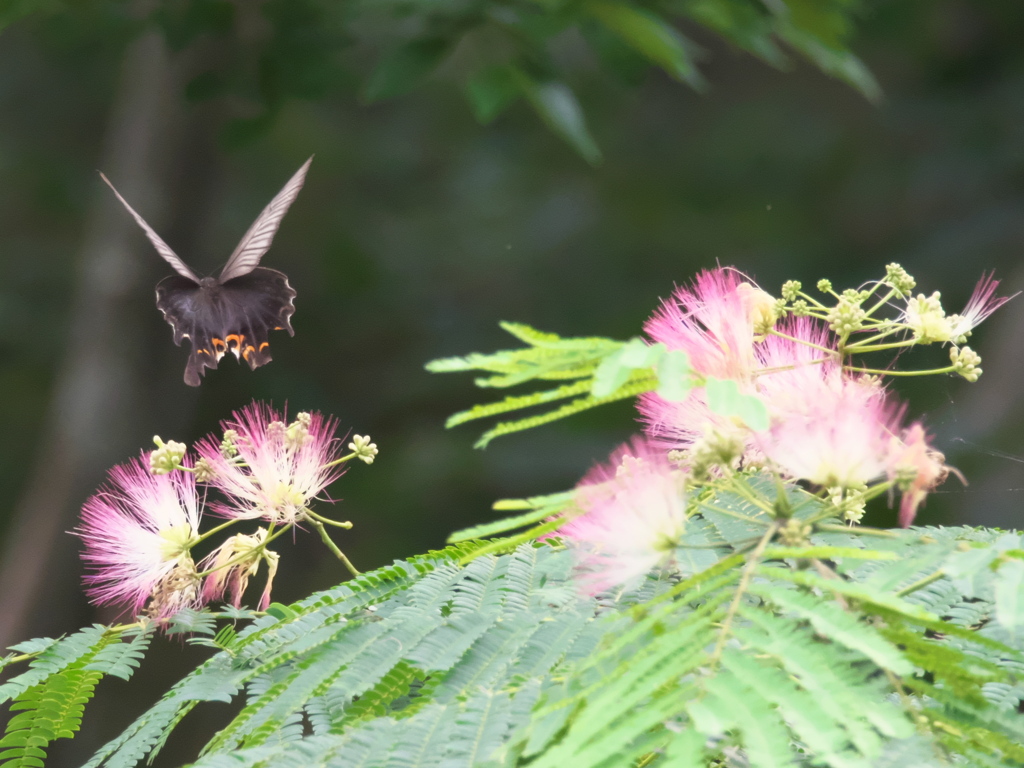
{"x":270,"y":469}
{"x":138,"y":531}
{"x":632,"y":514}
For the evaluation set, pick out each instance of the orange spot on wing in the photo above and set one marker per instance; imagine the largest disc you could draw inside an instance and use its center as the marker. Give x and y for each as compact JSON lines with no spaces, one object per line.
{"x":248,"y":351}
{"x":218,"y":344}
{"x":237,"y":338}
{"x":278,"y":327}
{"x":203,"y":351}
{"x":264,"y":344}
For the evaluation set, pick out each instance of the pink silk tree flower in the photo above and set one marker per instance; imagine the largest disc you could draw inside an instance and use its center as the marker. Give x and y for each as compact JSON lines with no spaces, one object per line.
{"x":714,"y":321}
{"x":138,"y":531}
{"x":633,"y":511}
{"x":916,"y":468}
{"x":718,"y":322}
{"x":786,"y":367}
{"x":796,"y":364}
{"x":983,"y":302}
{"x":269,"y":469}
{"x":838,"y":438}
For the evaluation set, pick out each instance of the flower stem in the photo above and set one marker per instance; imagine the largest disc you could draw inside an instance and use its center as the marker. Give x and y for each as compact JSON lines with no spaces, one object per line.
{"x":332,"y":546}
{"x":741,"y":589}
{"x":338,"y":461}
{"x":858,"y":531}
{"x":920,"y":583}
{"x":346,"y":524}
{"x":947,"y":369}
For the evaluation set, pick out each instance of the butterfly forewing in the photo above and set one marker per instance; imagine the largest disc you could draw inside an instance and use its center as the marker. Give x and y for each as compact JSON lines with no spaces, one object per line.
{"x":257,"y":240}
{"x":161,"y":247}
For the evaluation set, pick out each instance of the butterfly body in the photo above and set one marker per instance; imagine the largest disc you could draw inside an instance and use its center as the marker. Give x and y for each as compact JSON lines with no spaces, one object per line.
{"x":236,"y":316}
{"x":236,"y":310}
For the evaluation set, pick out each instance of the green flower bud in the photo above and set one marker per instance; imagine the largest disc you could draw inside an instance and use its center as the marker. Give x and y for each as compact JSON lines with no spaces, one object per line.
{"x":362,"y":447}
{"x":167,"y":456}
{"x":966,"y":362}
{"x":898,"y":278}
{"x":790,"y":289}
{"x":846,"y":317}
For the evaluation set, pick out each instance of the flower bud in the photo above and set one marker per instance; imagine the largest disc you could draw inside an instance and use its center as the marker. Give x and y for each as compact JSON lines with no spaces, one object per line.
{"x":846,"y":316}
{"x":362,"y":447}
{"x":966,"y":362}
{"x":297,"y":433}
{"x":204,"y":471}
{"x":228,"y":448}
{"x":167,"y":456}
{"x":898,"y":278}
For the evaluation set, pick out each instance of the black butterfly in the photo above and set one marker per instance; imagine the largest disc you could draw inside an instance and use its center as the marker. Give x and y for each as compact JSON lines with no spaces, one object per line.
{"x":237,"y":309}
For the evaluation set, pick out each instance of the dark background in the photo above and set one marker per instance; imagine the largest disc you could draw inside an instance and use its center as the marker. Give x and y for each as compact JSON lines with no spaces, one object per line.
{"x":418,"y":230}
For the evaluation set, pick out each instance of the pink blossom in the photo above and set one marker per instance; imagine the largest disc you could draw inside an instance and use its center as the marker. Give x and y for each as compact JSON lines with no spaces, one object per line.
{"x":270,"y":469}
{"x":137,"y":532}
{"x":787,"y":370}
{"x":835,"y":432}
{"x":916,"y":469}
{"x":981,"y":304}
{"x":633,"y":513}
{"x":713,"y":322}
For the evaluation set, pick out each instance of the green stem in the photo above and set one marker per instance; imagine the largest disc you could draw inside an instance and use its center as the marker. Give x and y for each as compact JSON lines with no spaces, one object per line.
{"x":333,"y":547}
{"x":858,"y":531}
{"x":215,"y":529}
{"x":920,"y":583}
{"x":741,"y":588}
{"x":881,"y":301}
{"x":830,"y":352}
{"x":338,"y":461}
{"x":948,"y":369}
{"x":346,"y":524}
{"x":862,"y":347}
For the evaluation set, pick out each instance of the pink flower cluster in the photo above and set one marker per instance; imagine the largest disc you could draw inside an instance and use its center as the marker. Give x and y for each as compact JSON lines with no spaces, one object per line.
{"x":830,"y":428}
{"x":140,"y":529}
{"x":632,"y":512}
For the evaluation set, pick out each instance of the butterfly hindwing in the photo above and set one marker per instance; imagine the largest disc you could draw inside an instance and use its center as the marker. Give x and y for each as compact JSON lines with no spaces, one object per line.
{"x":236,"y":316}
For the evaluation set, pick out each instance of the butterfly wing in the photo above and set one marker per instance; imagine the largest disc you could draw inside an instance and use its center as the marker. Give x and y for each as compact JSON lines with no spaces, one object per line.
{"x":161,"y":247}
{"x":257,"y":240}
{"x":236,"y":316}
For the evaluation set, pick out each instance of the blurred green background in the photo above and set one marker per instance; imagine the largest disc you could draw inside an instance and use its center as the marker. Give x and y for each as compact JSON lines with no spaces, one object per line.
{"x":419,"y":229}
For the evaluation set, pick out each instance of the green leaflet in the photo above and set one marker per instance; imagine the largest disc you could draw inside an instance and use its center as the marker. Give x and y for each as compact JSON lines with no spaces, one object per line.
{"x":426,"y":663}
{"x":600,"y":371}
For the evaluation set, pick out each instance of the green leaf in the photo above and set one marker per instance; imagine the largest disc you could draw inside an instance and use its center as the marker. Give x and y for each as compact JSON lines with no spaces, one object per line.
{"x":725,"y":399}
{"x":686,"y":750}
{"x":650,"y":35}
{"x":1009,"y":595}
{"x":674,"y":376}
{"x":557,"y":106}
{"x":831,"y":621}
{"x":615,"y":370}
{"x":545,"y":507}
{"x":491,"y":90}
{"x":406,"y":66}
